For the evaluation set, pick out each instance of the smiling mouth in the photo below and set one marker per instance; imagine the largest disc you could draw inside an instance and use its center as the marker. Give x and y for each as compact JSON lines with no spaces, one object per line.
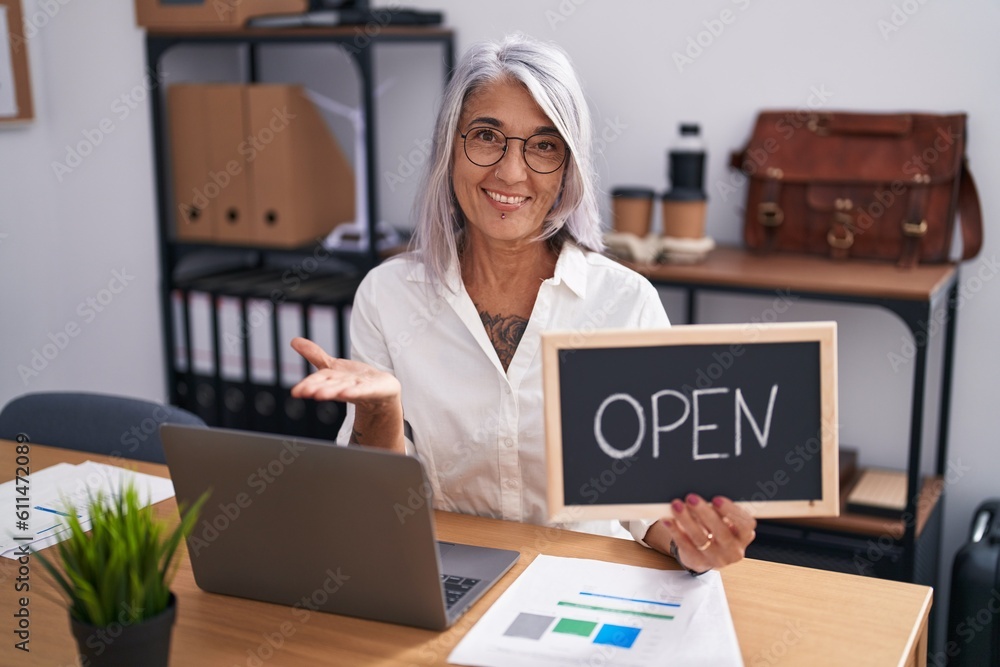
{"x":507,"y":200}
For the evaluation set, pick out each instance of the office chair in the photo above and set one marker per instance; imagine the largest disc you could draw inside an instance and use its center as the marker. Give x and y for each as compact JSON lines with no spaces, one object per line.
{"x":98,"y":423}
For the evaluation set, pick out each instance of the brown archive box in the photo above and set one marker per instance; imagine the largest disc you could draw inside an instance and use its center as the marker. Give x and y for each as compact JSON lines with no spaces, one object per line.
{"x":209,"y":14}
{"x":227,"y":182}
{"x":302,"y":184}
{"x":255,"y":165}
{"x":189,"y":158}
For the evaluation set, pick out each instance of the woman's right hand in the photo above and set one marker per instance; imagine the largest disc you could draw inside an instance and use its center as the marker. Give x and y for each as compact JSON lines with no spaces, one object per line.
{"x":336,"y":379}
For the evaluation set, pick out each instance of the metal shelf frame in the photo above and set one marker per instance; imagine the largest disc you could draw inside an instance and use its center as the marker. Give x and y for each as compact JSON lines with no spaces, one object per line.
{"x":359,"y":43}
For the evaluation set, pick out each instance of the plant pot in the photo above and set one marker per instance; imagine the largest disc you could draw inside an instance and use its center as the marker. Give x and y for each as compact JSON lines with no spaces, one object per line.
{"x":145,"y":643}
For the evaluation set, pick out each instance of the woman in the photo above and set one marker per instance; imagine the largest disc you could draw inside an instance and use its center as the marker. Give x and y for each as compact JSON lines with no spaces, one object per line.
{"x":445,"y":340}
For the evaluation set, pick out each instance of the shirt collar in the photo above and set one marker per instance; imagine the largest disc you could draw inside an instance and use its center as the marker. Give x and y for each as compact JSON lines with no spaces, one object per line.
{"x":571,"y":268}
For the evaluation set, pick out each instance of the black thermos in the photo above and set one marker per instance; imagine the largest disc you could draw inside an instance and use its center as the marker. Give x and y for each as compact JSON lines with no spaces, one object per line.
{"x":686,"y":169}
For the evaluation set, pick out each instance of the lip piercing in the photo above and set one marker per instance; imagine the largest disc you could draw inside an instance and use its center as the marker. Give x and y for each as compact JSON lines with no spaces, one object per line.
{"x":503,"y":216}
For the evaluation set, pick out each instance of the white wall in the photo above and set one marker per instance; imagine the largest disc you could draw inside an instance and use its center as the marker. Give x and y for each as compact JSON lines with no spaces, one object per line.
{"x":66,"y":234}
{"x":61,"y":239}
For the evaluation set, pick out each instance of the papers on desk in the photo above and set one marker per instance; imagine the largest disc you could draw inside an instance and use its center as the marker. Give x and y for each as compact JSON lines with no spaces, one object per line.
{"x":52,"y":490}
{"x":573,"y":611}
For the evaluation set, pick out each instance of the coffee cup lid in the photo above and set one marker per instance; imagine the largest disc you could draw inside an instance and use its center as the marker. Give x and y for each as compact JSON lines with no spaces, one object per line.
{"x":684,"y":194}
{"x":633,"y":192}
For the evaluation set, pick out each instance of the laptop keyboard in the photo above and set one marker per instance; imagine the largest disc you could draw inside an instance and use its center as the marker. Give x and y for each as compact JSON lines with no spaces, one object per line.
{"x":455,"y":588}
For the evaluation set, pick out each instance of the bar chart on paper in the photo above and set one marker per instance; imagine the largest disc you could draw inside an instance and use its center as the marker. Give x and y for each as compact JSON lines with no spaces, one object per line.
{"x":581,"y":619}
{"x":573,"y":611}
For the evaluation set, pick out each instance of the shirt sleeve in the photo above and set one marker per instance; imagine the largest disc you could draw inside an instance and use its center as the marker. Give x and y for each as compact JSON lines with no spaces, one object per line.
{"x":638,"y":529}
{"x":650,"y":315}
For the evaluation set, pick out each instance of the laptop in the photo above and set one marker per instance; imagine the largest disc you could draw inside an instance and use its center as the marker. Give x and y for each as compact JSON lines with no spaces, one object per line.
{"x":311,"y":524}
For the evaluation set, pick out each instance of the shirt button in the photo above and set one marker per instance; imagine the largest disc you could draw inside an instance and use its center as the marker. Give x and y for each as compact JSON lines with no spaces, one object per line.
{"x":509,"y":442}
{"x":506,"y":390}
{"x":510,"y":484}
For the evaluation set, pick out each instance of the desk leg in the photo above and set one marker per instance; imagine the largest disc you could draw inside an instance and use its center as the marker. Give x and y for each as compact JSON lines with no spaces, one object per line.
{"x":916,"y":439}
{"x":691,"y":305}
{"x":947,"y":368}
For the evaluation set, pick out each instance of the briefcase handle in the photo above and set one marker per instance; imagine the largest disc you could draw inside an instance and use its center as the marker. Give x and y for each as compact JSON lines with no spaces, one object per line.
{"x":970,"y":213}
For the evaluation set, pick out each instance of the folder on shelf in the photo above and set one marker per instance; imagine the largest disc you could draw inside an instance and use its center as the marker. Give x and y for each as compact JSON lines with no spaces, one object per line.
{"x":240,"y":323}
{"x":231,"y":334}
{"x":293,"y":366}
{"x":182,"y":393}
{"x":179,"y":325}
{"x":292,"y":369}
{"x":232,"y":372}
{"x":260,"y":335}
{"x":202,"y":339}
{"x":189,"y":161}
{"x":230,"y":291}
{"x":302,"y":184}
{"x":255,"y":165}
{"x":227,"y":184}
{"x":204,"y":379}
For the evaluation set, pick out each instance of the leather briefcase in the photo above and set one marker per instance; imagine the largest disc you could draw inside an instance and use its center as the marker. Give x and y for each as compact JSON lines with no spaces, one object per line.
{"x":861,"y":185}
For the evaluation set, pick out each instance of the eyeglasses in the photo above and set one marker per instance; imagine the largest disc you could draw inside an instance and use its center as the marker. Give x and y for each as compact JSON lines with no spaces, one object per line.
{"x":543,"y":153}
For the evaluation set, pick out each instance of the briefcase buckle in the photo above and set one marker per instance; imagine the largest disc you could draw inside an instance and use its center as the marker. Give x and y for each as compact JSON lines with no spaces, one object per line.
{"x":916,"y":229}
{"x":770,"y":214}
{"x":840,"y":242}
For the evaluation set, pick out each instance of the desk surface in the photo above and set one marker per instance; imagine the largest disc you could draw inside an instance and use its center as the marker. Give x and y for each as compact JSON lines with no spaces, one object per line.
{"x":784,"y":615}
{"x":738,"y":267}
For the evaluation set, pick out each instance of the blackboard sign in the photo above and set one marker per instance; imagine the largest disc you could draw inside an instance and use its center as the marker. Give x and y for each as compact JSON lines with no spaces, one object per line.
{"x":635,"y":419}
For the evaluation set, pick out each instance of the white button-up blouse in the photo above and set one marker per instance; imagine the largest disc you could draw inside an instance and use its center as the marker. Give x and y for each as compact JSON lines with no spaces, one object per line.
{"x":479,"y":430}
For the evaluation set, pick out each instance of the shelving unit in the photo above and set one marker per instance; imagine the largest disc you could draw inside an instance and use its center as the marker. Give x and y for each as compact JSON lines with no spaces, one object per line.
{"x":900,"y":550}
{"x":257,"y":274}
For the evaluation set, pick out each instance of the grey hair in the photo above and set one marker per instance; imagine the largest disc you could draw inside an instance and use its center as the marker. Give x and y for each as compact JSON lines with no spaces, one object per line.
{"x":547,"y":74}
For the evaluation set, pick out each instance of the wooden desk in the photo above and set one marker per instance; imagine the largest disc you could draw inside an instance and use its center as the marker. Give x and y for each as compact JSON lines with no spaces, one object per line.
{"x":784,"y":615}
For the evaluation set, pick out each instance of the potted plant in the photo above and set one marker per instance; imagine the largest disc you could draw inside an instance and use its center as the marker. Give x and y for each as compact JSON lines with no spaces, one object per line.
{"x":116,"y":579}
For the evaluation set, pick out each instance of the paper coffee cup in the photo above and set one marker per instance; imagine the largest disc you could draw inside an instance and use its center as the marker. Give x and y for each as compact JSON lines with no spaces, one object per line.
{"x":632,"y":209}
{"x":683,"y":219}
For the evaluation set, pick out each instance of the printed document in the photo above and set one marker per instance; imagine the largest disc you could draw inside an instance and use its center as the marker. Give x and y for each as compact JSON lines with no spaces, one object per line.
{"x":574,"y":611}
{"x":49,"y":493}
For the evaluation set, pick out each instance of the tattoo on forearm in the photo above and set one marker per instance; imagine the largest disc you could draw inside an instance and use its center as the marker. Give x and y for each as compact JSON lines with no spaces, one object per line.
{"x":356,"y":436}
{"x":505,"y":334}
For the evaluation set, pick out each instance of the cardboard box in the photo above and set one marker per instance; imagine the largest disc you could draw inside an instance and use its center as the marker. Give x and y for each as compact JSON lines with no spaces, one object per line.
{"x":209,"y":14}
{"x":255,"y":165}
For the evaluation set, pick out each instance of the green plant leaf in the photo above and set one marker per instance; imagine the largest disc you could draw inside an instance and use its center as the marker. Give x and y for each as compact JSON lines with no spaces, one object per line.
{"x":122,"y":569}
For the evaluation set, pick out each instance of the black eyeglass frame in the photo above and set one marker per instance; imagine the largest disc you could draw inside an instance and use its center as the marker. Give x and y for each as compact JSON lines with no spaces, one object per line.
{"x":506,"y":143}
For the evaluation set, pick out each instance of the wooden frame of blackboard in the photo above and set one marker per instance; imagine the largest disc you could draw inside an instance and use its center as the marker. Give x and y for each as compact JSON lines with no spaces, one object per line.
{"x":17,"y":46}
{"x":822,"y":333}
